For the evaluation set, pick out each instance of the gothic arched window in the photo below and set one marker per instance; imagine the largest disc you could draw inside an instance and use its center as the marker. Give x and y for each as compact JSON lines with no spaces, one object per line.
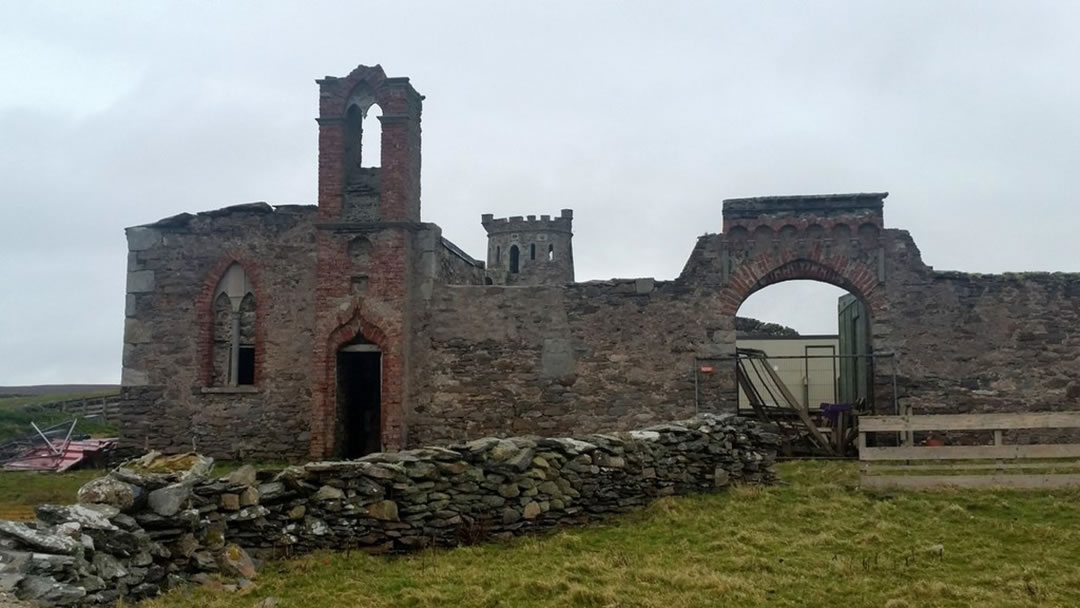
{"x":233,"y":356}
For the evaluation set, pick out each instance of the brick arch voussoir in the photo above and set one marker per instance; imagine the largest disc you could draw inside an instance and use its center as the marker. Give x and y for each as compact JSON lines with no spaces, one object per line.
{"x":204,"y":310}
{"x":359,"y":320}
{"x":839,"y":271}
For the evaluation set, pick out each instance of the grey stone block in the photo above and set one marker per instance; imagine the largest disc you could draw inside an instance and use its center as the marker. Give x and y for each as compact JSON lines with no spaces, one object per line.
{"x":134,"y":377}
{"x":557,"y":358}
{"x":142,"y":238}
{"x":136,"y":332}
{"x":140,"y":281}
{"x":644,"y":286}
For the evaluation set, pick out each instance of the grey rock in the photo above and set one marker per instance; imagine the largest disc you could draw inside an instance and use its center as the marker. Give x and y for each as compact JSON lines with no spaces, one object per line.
{"x":234,"y":561}
{"x":39,"y":540}
{"x":89,"y":516}
{"x":114,"y":492}
{"x":329,"y":493}
{"x":49,"y":592}
{"x":271,"y":490}
{"x":107,"y":566}
{"x":169,"y":500}
{"x":245,"y":475}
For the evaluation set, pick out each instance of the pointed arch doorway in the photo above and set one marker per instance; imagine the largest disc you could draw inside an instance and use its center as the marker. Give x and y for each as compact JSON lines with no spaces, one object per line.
{"x":359,"y":399}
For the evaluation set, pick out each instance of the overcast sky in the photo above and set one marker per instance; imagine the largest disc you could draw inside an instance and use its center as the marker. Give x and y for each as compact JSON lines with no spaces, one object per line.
{"x":641,"y":116}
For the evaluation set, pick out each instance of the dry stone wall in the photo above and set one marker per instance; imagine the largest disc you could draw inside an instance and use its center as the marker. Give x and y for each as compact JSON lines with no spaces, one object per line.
{"x":158,"y":522}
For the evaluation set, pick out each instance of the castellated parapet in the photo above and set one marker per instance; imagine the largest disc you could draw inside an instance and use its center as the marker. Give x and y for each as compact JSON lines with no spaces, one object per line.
{"x":529,"y":250}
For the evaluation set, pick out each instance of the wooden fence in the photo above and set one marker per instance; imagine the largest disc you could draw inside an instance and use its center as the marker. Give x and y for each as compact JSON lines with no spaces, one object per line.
{"x":1040,"y":465}
{"x":84,"y":407}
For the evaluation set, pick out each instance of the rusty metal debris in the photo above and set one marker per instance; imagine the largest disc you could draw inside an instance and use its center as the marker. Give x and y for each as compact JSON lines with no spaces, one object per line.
{"x":54,"y":449}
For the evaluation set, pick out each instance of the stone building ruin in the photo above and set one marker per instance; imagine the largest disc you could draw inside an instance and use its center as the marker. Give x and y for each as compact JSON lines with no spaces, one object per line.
{"x":296,"y":331}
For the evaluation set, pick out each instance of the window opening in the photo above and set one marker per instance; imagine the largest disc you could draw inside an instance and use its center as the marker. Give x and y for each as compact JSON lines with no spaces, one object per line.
{"x":551,"y":253}
{"x":371,"y":137}
{"x":514,"y":259}
{"x":233,"y":353}
{"x":532,"y":251}
{"x":245,"y":372}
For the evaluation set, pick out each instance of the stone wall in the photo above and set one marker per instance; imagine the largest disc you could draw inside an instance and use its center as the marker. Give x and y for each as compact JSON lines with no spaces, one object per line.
{"x":557,"y":359}
{"x":171,"y":401}
{"x":979,"y":343}
{"x":157,"y":523}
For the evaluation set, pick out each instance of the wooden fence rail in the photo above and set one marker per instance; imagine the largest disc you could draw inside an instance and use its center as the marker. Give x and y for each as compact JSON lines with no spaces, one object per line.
{"x":1014,"y":466}
{"x":84,"y":407}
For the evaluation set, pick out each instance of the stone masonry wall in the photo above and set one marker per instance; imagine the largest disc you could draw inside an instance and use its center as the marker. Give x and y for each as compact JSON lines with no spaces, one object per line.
{"x":556,"y":359}
{"x":979,"y":343}
{"x":170,"y":401}
{"x":146,"y":527}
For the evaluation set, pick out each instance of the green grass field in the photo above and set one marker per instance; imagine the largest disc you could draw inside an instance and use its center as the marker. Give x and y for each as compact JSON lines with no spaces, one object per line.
{"x":816,"y":542}
{"x":19,"y":492}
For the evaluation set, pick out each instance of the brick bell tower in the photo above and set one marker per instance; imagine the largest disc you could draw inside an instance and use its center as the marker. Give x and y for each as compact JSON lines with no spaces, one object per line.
{"x":365,"y":237}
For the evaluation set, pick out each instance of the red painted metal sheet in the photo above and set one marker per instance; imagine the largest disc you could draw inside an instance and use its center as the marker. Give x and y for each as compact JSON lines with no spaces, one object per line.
{"x":60,"y":458}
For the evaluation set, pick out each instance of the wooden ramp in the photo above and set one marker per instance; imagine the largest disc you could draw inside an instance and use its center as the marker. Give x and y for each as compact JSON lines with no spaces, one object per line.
{"x":1040,"y":465}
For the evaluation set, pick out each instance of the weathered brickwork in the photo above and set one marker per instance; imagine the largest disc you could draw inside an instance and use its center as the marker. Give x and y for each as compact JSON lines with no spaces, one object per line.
{"x":467,"y":348}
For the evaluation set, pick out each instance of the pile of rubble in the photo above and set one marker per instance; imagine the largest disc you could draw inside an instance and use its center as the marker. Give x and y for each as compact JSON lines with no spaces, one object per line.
{"x":127,"y":537}
{"x":158,"y":522}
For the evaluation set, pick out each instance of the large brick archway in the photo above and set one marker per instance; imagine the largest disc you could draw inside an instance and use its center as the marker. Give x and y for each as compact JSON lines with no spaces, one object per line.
{"x":834,"y":239}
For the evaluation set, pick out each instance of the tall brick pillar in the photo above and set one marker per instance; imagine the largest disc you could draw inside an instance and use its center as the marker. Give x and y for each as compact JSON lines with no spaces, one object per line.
{"x":368,"y":217}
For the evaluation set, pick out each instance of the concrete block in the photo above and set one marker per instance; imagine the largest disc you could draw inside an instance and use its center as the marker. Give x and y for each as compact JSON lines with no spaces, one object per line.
{"x":140,"y":281}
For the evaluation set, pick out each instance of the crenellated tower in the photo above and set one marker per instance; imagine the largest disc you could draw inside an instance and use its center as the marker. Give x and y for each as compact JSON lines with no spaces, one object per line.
{"x":530,"y":250}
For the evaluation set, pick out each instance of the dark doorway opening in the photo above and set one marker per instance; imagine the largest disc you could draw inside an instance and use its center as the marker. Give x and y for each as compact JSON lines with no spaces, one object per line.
{"x":359,"y":373}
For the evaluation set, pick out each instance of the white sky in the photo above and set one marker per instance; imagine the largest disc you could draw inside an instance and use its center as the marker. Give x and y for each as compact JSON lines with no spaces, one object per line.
{"x":641,"y":116}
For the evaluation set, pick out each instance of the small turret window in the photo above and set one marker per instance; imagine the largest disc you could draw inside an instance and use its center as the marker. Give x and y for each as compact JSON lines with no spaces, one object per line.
{"x":532,"y":251}
{"x":551,"y":253}
{"x":498,"y":255}
{"x":514,"y":254}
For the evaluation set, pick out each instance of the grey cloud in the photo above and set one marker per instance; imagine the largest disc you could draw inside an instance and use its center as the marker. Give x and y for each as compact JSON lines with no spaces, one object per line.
{"x":640,"y":116}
